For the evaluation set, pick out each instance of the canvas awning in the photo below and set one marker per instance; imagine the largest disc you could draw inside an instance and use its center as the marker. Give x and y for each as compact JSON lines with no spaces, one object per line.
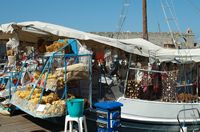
{"x":31,"y":31}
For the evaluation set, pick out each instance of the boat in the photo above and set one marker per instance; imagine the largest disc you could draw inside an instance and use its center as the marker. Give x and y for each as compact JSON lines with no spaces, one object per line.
{"x":175,"y":110}
{"x":174,"y":107}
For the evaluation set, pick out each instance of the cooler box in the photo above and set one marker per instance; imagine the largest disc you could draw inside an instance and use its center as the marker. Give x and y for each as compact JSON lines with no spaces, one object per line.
{"x":108,"y":116}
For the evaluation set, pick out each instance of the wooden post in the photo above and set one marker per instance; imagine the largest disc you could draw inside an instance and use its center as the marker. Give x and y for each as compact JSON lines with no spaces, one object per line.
{"x":144,"y":14}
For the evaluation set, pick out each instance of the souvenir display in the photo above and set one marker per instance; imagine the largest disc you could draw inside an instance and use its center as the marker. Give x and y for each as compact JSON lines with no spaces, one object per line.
{"x":51,"y":104}
{"x":133,"y":90}
{"x":42,"y":97}
{"x":169,"y":83}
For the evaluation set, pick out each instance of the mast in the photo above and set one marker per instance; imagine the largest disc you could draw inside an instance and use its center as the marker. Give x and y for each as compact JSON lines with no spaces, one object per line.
{"x":144,"y":14}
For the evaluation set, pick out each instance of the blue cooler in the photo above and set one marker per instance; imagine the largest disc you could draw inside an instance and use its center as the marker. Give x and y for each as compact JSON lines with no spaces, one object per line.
{"x":108,"y":116}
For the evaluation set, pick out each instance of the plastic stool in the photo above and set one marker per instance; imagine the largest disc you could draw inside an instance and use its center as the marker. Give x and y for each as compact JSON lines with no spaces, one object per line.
{"x":79,"y":120}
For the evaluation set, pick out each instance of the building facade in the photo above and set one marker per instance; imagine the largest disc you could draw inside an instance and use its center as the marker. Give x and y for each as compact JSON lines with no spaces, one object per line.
{"x":163,"y":39}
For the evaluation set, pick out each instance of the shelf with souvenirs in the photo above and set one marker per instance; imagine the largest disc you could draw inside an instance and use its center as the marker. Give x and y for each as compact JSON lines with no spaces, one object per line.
{"x":143,"y":79}
{"x":15,"y":78}
{"x":163,"y":82}
{"x":7,"y":84}
{"x":12,"y":77}
{"x":47,"y":96}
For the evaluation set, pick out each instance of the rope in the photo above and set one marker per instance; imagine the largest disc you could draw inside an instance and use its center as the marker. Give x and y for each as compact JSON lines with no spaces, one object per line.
{"x":123,"y":16}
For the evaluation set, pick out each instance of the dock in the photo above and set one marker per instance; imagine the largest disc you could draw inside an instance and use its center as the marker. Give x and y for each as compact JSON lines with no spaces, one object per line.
{"x":25,"y":123}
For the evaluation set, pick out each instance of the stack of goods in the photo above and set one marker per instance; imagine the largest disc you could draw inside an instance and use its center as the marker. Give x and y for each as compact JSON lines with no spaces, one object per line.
{"x":133,"y":89}
{"x":54,"y":80}
{"x":50,"y":104}
{"x":169,"y":83}
{"x":56,"y":46}
{"x":77,"y":72}
{"x":44,"y":46}
{"x":187,"y":97}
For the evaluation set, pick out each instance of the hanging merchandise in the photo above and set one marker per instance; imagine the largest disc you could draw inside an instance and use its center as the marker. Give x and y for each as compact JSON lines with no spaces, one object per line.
{"x":108,"y":58}
{"x":133,"y":90}
{"x":139,"y":74}
{"x":12,"y":49}
{"x":169,"y":83}
{"x":11,"y":60}
{"x":99,"y":55}
{"x":11,"y":57}
{"x":156,"y":80}
{"x":82,"y":50}
{"x":13,"y":42}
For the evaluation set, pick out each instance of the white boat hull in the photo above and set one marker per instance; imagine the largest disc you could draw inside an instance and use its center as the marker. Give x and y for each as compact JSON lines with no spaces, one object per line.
{"x":144,"y":114}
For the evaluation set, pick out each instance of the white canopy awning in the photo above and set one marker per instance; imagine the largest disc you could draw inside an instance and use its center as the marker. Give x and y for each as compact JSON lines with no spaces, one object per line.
{"x":32,"y":30}
{"x":27,"y":31}
{"x":141,"y":47}
{"x":179,"y":55}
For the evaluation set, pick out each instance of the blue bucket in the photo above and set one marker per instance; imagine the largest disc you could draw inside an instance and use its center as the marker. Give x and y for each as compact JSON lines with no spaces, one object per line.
{"x":75,"y":107}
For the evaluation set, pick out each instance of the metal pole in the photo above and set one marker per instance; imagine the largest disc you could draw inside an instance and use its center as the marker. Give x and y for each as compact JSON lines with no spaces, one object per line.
{"x":127,"y":73}
{"x":144,"y":14}
{"x":90,"y":80}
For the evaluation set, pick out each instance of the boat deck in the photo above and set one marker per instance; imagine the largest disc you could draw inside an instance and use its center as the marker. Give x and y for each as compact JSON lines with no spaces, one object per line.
{"x":26,"y":123}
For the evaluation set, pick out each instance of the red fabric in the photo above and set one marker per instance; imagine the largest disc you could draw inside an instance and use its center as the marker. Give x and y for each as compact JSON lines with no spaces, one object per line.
{"x":99,"y":56}
{"x":145,"y":82}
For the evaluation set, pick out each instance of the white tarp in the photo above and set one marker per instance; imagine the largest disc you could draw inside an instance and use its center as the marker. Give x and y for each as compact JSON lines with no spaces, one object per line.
{"x":179,"y":55}
{"x":141,"y":47}
{"x":51,"y":29}
{"x":137,"y":46}
{"x":145,"y":48}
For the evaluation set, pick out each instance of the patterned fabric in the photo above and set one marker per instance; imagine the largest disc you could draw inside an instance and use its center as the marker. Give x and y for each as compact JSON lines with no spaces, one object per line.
{"x":169,"y":83}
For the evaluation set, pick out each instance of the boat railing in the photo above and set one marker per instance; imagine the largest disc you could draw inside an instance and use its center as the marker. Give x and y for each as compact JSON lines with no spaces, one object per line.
{"x":184,"y":110}
{"x":140,"y":69}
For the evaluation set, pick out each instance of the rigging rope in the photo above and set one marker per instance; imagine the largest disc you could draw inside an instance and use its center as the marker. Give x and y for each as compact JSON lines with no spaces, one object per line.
{"x":123,"y":16}
{"x":171,"y":8}
{"x":166,"y":18}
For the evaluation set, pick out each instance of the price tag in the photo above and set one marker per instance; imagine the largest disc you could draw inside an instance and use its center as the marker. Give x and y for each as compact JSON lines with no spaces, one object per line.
{"x":41,"y":107}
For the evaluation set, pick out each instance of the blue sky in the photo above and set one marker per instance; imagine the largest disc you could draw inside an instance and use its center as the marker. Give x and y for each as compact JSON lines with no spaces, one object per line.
{"x":101,"y":15}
